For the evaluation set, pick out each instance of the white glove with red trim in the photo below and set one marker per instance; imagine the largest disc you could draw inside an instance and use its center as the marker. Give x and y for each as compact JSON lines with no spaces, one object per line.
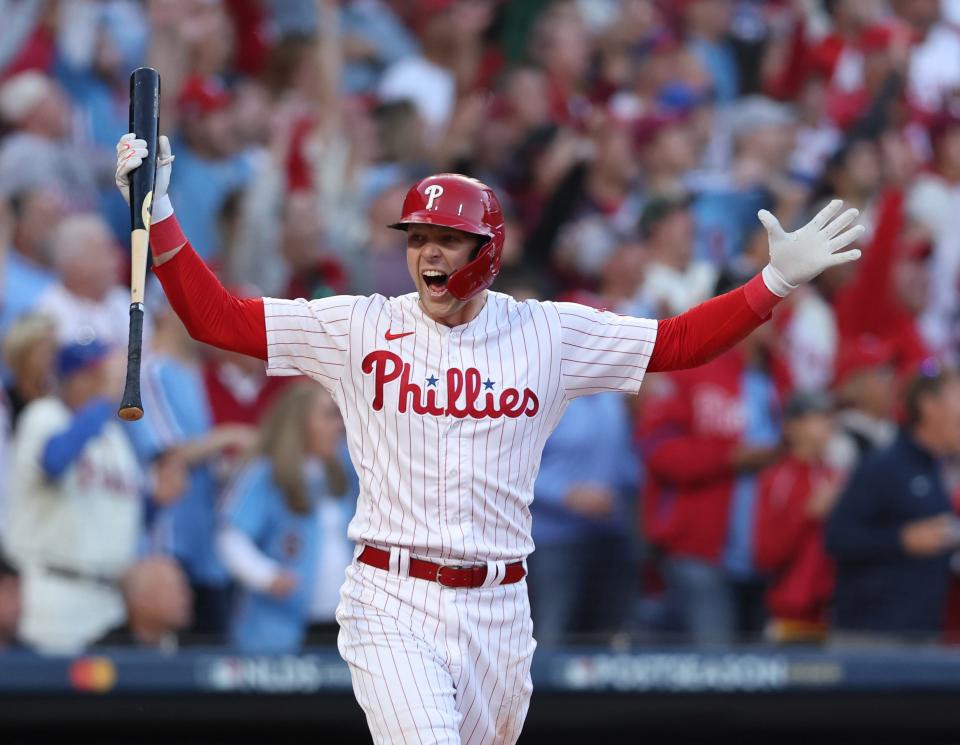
{"x":130,"y":154}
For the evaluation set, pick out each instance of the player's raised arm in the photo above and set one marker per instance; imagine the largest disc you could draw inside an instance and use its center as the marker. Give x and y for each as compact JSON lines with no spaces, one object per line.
{"x":210,"y":313}
{"x":703,"y":332}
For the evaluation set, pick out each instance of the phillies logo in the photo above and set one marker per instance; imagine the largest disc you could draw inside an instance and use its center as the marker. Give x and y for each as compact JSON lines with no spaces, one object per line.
{"x":434,"y":191}
{"x":387,"y":367}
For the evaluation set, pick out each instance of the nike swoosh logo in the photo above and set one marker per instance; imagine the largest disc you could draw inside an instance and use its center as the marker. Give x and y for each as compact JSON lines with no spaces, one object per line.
{"x":390,"y":337}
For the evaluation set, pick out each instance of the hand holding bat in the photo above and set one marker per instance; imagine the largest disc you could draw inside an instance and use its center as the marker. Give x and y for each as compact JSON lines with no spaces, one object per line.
{"x":137,"y":180}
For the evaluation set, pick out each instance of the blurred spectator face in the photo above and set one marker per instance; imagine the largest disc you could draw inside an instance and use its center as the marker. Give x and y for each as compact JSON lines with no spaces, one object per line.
{"x":29,"y":351}
{"x":939,"y":412}
{"x":564,"y":47}
{"x":810,"y":433}
{"x":854,"y":13}
{"x":526,"y":97}
{"x":768,"y":144}
{"x":37,"y":215}
{"x":35,"y":103}
{"x":872,"y":390}
{"x":921,"y":14}
{"x":399,"y":132}
{"x":212,"y":135}
{"x":638,"y":19}
{"x":251,"y":114}
{"x":672,"y":149}
{"x":207,"y":117}
{"x":860,"y":172}
{"x":107,"y":60}
{"x":11,"y":606}
{"x":302,"y":230}
{"x":158,"y":598}
{"x":206,"y":27}
{"x":80,"y":387}
{"x":709,"y":18}
{"x":911,"y":279}
{"x":622,"y":274}
{"x":673,"y":237}
{"x":947,"y":150}
{"x":811,"y":105}
{"x":324,"y":426}
{"x":51,"y":116}
{"x":86,"y":256}
{"x":615,"y":157}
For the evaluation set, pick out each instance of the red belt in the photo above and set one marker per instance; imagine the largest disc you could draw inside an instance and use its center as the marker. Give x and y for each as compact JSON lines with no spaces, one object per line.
{"x":447,"y":576}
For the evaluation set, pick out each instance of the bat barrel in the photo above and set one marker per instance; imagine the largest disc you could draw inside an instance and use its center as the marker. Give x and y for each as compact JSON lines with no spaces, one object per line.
{"x":145,"y":124}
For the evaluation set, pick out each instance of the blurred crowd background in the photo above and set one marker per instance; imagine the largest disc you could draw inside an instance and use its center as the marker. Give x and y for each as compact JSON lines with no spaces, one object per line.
{"x":800,"y":488}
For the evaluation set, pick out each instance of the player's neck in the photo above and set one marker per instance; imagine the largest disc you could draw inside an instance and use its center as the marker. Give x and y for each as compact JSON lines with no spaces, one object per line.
{"x":462,"y":315}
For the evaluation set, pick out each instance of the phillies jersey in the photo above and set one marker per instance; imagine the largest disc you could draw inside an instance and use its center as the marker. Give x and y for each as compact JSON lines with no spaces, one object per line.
{"x":446,"y":425}
{"x":88,"y":519}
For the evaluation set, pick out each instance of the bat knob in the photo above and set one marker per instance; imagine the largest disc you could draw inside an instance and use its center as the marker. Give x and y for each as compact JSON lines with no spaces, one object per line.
{"x":130,"y":413}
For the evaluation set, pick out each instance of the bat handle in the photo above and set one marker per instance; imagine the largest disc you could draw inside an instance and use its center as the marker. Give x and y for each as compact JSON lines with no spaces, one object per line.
{"x":130,"y":407}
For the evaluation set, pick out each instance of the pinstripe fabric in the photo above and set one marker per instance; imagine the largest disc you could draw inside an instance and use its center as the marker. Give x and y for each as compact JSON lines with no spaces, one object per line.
{"x":433,"y":665}
{"x":447,"y":471}
{"x":446,"y":427}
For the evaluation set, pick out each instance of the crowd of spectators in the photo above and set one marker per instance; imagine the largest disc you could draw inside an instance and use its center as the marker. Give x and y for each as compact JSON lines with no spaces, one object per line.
{"x":799,"y":488}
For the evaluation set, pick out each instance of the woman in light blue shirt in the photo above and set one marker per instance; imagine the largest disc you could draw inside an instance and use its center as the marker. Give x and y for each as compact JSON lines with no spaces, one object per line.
{"x":270,"y":539}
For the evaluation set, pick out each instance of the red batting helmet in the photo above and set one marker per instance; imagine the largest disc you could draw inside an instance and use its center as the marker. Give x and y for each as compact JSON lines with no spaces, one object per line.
{"x":456,"y":201}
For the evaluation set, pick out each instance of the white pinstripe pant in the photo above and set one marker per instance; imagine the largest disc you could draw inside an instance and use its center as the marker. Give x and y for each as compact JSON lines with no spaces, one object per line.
{"x":433,"y":665}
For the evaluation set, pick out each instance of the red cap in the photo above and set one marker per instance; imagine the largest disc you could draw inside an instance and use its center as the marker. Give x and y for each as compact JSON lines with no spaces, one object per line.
{"x":861,"y":354}
{"x":646,"y":128}
{"x":202,"y":95}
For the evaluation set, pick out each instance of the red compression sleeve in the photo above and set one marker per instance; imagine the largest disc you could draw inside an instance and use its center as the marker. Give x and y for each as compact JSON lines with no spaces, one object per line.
{"x":703,"y":332}
{"x":211,"y":314}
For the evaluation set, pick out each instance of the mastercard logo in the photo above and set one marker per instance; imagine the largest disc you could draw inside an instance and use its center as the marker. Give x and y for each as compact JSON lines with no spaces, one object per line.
{"x":93,"y":674}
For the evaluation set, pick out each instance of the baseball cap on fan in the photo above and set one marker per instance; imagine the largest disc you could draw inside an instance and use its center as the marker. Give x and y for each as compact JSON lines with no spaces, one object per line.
{"x":76,"y":356}
{"x":202,"y":95}
{"x":21,"y":93}
{"x":801,"y":403}
{"x":866,"y":352}
{"x":758,"y":112}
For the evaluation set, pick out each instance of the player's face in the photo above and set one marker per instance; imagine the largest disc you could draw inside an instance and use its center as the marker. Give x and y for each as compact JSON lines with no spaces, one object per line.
{"x":433,"y":254}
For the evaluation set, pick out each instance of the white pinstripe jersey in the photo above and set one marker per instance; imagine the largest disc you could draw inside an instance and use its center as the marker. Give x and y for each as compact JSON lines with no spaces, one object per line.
{"x":446,"y":426}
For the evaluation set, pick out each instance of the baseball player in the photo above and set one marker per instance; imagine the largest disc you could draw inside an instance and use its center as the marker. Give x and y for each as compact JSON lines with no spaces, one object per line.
{"x":448,"y":395}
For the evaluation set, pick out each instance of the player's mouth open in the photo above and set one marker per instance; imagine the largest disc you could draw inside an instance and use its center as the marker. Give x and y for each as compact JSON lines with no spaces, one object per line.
{"x":436,"y":282}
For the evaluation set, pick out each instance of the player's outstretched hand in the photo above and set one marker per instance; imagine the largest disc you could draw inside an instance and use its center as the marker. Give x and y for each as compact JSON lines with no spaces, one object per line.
{"x":130,"y":154}
{"x":800,"y":256}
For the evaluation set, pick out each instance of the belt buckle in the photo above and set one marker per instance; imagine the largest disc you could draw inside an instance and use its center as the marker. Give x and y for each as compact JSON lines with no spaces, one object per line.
{"x":448,"y":583}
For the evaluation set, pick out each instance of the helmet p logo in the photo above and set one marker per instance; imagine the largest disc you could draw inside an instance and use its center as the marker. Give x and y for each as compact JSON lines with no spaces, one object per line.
{"x":434,"y":192}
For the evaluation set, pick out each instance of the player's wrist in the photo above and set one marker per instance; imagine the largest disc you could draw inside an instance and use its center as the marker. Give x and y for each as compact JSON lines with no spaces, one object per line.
{"x":776,"y":282}
{"x":166,"y":235}
{"x":162,"y":209}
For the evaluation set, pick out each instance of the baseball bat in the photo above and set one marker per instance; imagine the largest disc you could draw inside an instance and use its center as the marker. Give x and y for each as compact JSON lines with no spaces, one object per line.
{"x":145,"y":125}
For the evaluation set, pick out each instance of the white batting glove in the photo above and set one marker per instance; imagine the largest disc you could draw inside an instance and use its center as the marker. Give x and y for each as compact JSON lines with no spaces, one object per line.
{"x":800,"y":256}
{"x":130,"y":154}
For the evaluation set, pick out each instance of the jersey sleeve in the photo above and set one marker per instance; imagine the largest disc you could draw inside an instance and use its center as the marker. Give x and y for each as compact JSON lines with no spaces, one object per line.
{"x":602,"y":351}
{"x":40,"y":421}
{"x":309,"y":337}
